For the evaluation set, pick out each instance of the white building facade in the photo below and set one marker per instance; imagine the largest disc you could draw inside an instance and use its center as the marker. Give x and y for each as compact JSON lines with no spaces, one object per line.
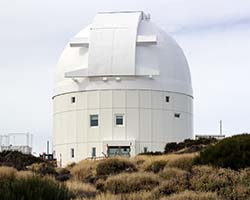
{"x":123,"y":87}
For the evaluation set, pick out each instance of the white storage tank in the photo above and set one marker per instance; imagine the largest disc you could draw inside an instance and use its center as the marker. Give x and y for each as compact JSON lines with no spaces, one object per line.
{"x":123,"y":87}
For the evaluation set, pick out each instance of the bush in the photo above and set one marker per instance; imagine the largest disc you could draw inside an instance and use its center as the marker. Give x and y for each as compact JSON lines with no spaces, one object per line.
{"x":233,"y":152}
{"x":81,"y":190}
{"x":128,"y":183}
{"x":173,"y":146}
{"x":178,"y":175}
{"x":63,"y":174}
{"x":184,"y":162}
{"x":114,"y":166}
{"x":7,"y":172}
{"x":42,"y":168}
{"x":152,"y":153}
{"x":166,"y":188}
{"x":209,"y":179}
{"x":176,"y":180}
{"x":30,"y":187}
{"x":84,"y":171}
{"x":132,"y":196}
{"x":156,"y":166}
{"x":190,"y":195}
{"x":17,"y":159}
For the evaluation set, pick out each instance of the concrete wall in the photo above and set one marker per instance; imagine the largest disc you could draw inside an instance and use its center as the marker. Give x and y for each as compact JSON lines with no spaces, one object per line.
{"x":149,"y":121}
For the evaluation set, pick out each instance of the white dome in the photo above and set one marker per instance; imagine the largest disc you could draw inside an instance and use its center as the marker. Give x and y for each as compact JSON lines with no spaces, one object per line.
{"x":122,"y":50}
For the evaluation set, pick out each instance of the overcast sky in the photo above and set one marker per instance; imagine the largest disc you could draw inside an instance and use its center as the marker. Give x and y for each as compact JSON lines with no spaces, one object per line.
{"x":214,"y":35}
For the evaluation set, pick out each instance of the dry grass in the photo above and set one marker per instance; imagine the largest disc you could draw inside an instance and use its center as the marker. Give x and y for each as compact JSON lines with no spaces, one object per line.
{"x":175,"y":180}
{"x":81,"y":190}
{"x":133,"y":196}
{"x":174,"y":173}
{"x":183,"y":161}
{"x":24,"y":174}
{"x":84,"y":171}
{"x":7,"y":172}
{"x":209,"y":179}
{"x":129,"y":183}
{"x":205,"y":178}
{"x":42,"y":168}
{"x":190,"y":195}
{"x":114,"y":166}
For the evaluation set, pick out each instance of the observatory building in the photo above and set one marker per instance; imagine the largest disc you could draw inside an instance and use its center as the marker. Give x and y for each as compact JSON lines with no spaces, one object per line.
{"x":123,"y":87}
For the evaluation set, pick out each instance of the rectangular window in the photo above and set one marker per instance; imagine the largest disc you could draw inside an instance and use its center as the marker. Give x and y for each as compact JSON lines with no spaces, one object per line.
{"x":167,"y":98}
{"x":119,"y":121}
{"x":72,"y":152}
{"x":73,"y":99}
{"x":93,"y":153}
{"x":177,"y":115}
{"x":93,"y":120}
{"x":145,"y":149}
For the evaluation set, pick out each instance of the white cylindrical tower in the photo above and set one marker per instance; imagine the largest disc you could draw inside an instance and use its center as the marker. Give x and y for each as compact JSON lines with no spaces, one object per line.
{"x":123,"y":87}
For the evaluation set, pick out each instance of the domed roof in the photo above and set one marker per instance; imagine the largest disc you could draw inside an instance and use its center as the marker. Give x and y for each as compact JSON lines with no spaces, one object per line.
{"x":122,"y":50}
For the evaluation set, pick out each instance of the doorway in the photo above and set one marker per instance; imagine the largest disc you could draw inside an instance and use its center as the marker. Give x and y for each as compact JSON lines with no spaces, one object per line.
{"x":118,"y":151}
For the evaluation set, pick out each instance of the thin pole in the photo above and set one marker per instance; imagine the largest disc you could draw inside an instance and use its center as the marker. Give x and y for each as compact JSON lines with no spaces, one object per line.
{"x":48,"y":147}
{"x":220,"y":127}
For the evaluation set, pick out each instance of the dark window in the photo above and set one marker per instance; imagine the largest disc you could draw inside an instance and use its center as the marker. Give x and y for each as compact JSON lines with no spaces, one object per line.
{"x":119,"y":120}
{"x":167,"y":98}
{"x":73,"y":99}
{"x":177,"y":115}
{"x":145,"y":150}
{"x":93,"y":120}
{"x":72,"y":153}
{"x":93,"y":153}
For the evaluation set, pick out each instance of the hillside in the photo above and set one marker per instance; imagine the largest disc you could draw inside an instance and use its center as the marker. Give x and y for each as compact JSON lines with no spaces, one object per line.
{"x":170,"y":176}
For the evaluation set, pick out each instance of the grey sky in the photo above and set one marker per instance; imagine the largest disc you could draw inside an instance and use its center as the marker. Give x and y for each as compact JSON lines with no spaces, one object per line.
{"x":214,"y":34}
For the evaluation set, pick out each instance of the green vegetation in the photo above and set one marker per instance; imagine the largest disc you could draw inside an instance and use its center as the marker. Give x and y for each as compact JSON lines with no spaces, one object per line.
{"x":191,"y":145}
{"x":17,"y":159}
{"x":114,"y":166}
{"x":20,"y":185}
{"x":128,"y":183}
{"x":178,"y":175}
{"x":232,"y":152}
{"x":156,"y":166}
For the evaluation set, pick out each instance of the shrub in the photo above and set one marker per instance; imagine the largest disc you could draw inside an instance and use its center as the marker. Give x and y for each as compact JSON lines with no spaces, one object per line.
{"x":84,"y":171}
{"x":152,"y":153}
{"x":177,"y":176}
{"x":7,"y":172}
{"x":176,"y":180}
{"x":156,"y":166}
{"x":184,"y":162}
{"x":42,"y":168}
{"x":232,"y":152}
{"x":114,"y":166}
{"x":17,"y":159}
{"x":173,"y":146}
{"x":32,"y":187}
{"x":166,"y":188}
{"x":241,"y":190}
{"x":81,"y":190}
{"x":128,"y":183}
{"x":190,"y":195}
{"x":100,"y":183}
{"x":244,"y":177}
{"x":209,"y":179}
{"x":63,"y":174}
